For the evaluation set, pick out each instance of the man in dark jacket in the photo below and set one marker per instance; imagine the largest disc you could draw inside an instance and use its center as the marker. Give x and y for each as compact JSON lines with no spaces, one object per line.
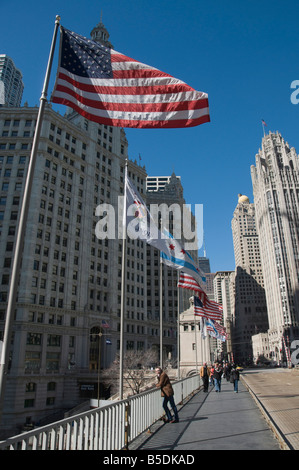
{"x":167,"y":393}
{"x":217,"y":377}
{"x":234,"y":378}
{"x":205,"y":375}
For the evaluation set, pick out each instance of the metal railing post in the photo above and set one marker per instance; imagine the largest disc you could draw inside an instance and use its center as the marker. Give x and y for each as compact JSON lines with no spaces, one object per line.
{"x":127,"y":423}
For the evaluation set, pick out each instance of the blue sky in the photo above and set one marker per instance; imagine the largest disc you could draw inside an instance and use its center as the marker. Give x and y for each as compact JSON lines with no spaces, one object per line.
{"x":244,"y":54}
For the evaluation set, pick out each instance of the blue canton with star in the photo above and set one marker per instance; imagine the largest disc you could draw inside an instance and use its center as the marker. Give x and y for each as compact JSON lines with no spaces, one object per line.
{"x":198,"y":302}
{"x":84,"y":57}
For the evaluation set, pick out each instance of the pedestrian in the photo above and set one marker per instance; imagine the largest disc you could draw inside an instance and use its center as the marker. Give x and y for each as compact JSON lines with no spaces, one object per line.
{"x":212,"y":375}
{"x":217,"y":377}
{"x":205,"y":375}
{"x":167,"y":393}
{"x":234,"y":378}
{"x":226,"y":371}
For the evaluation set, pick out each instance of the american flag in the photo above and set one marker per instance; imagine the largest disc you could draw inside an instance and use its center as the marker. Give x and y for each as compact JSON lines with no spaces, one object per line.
{"x":207,"y":308}
{"x":188,"y":282}
{"x":198,"y":307}
{"x":110,"y":88}
{"x":105,"y":324}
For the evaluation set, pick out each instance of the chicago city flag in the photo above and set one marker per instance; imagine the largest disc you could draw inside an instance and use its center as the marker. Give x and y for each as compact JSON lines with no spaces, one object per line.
{"x":110,"y":88}
{"x":140,"y":224}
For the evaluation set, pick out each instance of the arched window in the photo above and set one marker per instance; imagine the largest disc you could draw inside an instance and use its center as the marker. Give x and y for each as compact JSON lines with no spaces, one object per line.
{"x":30,"y":387}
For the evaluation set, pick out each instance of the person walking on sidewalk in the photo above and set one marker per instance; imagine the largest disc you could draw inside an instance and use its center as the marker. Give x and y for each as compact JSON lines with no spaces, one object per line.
{"x":217,"y":377}
{"x":212,"y":375}
{"x":205,"y":374}
{"x":234,"y":378}
{"x":167,"y":393}
{"x":226,"y":371}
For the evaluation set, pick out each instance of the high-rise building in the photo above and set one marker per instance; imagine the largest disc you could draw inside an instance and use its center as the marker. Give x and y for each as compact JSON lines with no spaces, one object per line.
{"x":158,"y":183}
{"x":70,"y":279}
{"x":11,"y":77}
{"x":204,"y":264}
{"x":276,"y":198}
{"x":223,"y":284}
{"x":250,"y":315}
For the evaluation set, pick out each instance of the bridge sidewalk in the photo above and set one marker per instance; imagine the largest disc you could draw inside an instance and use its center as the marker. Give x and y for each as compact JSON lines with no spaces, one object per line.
{"x":213,"y":421}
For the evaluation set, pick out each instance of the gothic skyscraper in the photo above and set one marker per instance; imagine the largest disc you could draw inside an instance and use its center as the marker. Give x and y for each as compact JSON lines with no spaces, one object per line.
{"x":275,"y":179}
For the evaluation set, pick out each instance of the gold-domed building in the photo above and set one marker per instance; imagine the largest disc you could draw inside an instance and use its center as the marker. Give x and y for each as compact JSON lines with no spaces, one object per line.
{"x":243,"y":198}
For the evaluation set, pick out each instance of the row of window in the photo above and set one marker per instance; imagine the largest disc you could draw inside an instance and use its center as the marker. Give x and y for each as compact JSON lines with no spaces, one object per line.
{"x":16,"y":122}
{"x":35,"y":339}
{"x":15,"y":146}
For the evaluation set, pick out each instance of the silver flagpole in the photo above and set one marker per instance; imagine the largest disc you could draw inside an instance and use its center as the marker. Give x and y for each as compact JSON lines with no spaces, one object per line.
{"x":196,"y":360}
{"x":122,"y":305}
{"x":12,"y":297}
{"x":178,"y":331}
{"x":161,"y":314}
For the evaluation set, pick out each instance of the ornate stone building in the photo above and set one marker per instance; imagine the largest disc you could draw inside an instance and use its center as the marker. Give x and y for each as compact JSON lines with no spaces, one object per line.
{"x":275,"y":180}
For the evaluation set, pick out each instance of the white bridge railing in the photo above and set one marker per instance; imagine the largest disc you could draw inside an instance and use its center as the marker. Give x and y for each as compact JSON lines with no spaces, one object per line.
{"x":112,"y":427}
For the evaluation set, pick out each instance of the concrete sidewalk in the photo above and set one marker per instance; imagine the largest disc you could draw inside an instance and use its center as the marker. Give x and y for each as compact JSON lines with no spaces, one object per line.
{"x":214,"y":421}
{"x":277,"y":394}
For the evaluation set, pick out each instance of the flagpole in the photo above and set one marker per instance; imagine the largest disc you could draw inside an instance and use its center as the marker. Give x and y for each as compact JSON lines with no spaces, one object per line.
{"x":161,"y":315}
{"x":122,"y":304}
{"x":178,"y":330}
{"x":195,"y":344}
{"x":12,"y":297}
{"x":263,"y":124}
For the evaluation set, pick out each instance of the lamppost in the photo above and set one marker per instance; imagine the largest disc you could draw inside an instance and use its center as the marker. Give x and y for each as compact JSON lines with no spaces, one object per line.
{"x":99,"y":334}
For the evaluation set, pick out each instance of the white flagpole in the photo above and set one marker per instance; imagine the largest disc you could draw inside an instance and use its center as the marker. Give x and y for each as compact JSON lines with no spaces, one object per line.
{"x":122,"y":305}
{"x":12,"y":297}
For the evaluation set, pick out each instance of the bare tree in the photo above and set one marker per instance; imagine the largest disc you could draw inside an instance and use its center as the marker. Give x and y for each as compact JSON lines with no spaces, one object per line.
{"x":136,"y":370}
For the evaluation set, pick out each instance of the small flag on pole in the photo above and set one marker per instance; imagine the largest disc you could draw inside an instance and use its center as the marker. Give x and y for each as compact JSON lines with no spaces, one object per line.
{"x":215,"y":330}
{"x":105,"y":324}
{"x":110,"y":88}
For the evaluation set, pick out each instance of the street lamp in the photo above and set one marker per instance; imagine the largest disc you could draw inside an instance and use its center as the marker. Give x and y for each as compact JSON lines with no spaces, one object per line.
{"x":99,"y":334}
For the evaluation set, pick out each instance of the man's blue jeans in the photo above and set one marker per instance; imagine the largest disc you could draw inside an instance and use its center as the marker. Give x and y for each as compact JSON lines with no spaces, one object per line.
{"x":167,"y":410}
{"x":217,"y":383}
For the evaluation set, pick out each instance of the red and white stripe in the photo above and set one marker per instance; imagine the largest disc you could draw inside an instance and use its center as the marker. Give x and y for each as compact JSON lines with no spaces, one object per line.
{"x":188,"y":282}
{"x":210,"y":309}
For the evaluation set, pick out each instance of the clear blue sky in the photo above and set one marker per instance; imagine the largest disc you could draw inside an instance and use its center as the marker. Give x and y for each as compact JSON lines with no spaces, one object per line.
{"x":244,"y":54}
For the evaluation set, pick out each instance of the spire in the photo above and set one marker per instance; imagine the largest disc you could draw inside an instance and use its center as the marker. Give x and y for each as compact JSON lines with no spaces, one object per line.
{"x":100,"y":34}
